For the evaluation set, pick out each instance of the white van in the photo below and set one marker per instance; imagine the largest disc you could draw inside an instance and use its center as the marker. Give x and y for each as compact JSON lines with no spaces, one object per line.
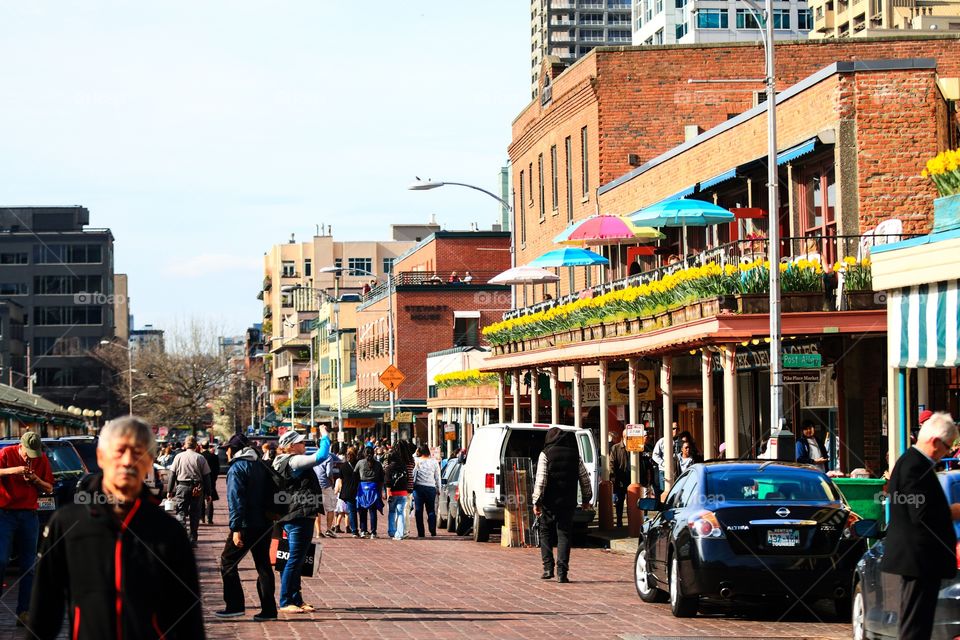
{"x":481,"y":489}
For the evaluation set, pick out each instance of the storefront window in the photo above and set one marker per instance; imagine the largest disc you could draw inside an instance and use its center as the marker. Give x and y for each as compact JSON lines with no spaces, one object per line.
{"x":819,"y":206}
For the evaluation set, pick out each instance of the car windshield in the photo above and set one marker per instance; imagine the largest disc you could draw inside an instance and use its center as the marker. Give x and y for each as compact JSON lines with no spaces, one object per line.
{"x":769,"y":485}
{"x":64,"y":460}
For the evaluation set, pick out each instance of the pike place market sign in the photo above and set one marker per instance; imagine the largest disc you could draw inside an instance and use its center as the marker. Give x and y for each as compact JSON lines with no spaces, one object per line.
{"x":425,"y":312}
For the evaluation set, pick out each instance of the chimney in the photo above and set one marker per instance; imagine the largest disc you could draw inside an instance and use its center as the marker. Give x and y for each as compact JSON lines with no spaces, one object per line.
{"x":433,"y":218}
{"x":293,"y":238}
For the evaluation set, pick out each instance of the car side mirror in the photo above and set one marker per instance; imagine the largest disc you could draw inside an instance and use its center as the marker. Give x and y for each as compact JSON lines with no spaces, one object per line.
{"x":867,"y":529}
{"x":649,"y":504}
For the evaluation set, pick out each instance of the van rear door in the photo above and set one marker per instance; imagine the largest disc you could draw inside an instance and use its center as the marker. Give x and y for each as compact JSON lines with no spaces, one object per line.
{"x":588,"y":453}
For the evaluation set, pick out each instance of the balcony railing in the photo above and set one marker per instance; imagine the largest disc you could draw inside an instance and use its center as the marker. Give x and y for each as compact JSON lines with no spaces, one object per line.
{"x":441,"y":280}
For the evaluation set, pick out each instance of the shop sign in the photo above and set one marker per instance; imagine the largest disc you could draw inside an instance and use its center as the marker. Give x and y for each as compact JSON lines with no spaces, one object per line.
{"x":635,"y":437}
{"x":405,"y":416}
{"x":449,"y":432}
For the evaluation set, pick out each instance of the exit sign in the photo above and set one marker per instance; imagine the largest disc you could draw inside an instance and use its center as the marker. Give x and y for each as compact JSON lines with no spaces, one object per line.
{"x":802,"y":360}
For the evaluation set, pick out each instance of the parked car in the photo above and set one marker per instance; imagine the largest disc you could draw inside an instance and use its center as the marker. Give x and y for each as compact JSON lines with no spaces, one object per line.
{"x":67,"y":467}
{"x":876,"y":595}
{"x":446,"y":505}
{"x":481,"y":487}
{"x":748,"y":532}
{"x":86,"y":446}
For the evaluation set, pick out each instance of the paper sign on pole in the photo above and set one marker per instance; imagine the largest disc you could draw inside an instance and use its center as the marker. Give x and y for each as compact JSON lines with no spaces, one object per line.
{"x":635,"y":437}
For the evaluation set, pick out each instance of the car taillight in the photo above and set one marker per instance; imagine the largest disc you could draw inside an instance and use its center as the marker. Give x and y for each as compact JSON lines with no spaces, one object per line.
{"x":852,"y":519}
{"x":958,"y":555}
{"x":705,"y":525}
{"x":456,"y":494}
{"x":489,"y":482}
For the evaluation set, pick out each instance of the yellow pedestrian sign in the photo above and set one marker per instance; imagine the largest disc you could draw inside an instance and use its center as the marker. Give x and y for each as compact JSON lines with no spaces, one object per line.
{"x":391,"y":378}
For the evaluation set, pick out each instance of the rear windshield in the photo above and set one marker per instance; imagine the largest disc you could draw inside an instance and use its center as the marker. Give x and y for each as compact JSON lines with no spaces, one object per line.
{"x":524,"y":443}
{"x":63,"y":459}
{"x":769,"y":485}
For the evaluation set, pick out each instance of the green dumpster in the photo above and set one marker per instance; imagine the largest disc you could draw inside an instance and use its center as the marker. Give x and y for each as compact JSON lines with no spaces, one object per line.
{"x":864,"y":496}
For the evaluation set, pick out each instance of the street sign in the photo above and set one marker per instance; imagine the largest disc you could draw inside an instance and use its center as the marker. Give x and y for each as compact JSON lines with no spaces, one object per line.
{"x":802,"y":361}
{"x":635,"y":437}
{"x":391,"y":378}
{"x":801,"y":375}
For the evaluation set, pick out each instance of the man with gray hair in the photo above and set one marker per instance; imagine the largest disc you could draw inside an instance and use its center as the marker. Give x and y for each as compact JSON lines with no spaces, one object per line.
{"x":106,"y":559}
{"x":921,"y":544}
{"x":189,"y":483}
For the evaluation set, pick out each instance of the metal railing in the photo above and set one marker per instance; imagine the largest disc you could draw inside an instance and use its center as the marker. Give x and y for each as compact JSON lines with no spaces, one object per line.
{"x":441,"y":280}
{"x":827,"y":249}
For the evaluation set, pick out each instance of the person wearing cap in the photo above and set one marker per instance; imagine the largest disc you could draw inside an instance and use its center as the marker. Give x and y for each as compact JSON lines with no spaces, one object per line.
{"x":25,"y":473}
{"x":306,"y":502}
{"x":189,"y":483}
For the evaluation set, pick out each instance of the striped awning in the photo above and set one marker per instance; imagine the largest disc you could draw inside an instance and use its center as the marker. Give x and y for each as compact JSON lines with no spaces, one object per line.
{"x":922,"y":326}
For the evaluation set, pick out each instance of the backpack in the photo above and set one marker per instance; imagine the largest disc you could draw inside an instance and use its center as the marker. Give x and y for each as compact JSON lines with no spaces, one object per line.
{"x":398,"y":478}
{"x":276,"y":500}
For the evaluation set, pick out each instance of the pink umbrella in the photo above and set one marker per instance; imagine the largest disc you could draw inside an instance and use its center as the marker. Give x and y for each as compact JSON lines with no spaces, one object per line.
{"x":607,"y":229}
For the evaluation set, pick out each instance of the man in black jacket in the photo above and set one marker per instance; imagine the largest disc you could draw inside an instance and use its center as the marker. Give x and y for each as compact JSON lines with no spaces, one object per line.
{"x":921,"y":544}
{"x":113,"y":561}
{"x":559,"y":472}
{"x":213,"y":461}
{"x":249,"y":531}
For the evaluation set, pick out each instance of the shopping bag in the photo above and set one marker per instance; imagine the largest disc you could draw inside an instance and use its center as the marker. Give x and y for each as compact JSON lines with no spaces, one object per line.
{"x":314,"y":554}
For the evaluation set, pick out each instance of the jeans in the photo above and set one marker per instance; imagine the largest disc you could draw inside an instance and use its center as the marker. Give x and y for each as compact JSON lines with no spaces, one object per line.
{"x":299,"y":535}
{"x":396,"y":516}
{"x":20,"y":525}
{"x":425,"y":497}
{"x":556,"y":530}
{"x":352,"y":516}
{"x":257,"y":542}
{"x":363,"y":519}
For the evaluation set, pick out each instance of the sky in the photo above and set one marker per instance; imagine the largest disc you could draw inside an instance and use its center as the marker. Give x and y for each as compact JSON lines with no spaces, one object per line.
{"x":204,"y":131}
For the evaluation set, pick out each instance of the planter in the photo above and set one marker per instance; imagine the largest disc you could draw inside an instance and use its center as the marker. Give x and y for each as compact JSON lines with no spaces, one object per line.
{"x":802,"y":302}
{"x":694,"y":311}
{"x":946,"y":213}
{"x":864,"y":300}
{"x":662,"y":319}
{"x":678,"y":315}
{"x":753,"y":303}
{"x":648,"y":323}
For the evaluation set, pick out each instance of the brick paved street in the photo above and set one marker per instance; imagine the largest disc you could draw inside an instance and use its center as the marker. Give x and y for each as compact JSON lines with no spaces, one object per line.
{"x":450,"y":587}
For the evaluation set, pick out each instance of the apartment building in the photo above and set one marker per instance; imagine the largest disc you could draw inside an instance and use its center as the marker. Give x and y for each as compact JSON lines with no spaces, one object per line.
{"x":657,"y":22}
{"x":862,"y":18}
{"x":569,"y":29}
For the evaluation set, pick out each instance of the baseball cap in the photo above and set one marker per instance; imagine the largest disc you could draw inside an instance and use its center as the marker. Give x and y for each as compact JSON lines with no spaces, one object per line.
{"x":291,"y":437}
{"x":237,"y":442}
{"x":30,"y":441}
{"x":925,"y":415}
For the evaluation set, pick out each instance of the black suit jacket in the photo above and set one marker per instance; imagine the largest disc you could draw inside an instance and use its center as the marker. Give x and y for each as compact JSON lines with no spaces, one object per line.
{"x":921,"y":541}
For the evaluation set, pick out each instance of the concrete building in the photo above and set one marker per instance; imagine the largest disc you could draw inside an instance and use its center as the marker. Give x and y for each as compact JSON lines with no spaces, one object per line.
{"x":563,"y":31}
{"x":657,"y":22}
{"x":12,"y":349}
{"x":60,"y":272}
{"x":844,"y":19}
{"x":146,"y":338}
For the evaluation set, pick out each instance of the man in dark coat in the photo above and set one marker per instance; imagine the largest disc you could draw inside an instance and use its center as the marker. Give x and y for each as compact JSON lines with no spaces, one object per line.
{"x":560,"y":472}
{"x":921,"y":544}
{"x":113,"y":563}
{"x":213,"y":461}
{"x":619,"y":473}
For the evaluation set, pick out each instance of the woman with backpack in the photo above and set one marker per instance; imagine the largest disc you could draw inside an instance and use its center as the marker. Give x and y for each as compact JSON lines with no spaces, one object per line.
{"x":370,"y":492}
{"x":348,"y":483}
{"x":426,"y":487}
{"x":306,"y":501}
{"x":397,"y":494}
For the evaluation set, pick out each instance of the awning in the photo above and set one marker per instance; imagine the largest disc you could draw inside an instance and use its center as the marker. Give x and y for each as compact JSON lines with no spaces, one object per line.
{"x":723,"y":177}
{"x":922,"y":326}
{"x":793,"y":153}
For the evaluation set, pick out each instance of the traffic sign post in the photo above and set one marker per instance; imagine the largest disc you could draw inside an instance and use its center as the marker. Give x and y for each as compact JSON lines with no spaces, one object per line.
{"x":392,"y":378}
{"x":802,"y":360}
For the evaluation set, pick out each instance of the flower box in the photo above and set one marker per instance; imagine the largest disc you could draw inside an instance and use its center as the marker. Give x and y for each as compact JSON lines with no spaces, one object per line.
{"x":864,"y":300}
{"x":797,"y":302}
{"x":946,"y":213}
{"x":662,"y":319}
{"x":753,"y":303}
{"x":694,"y":311}
{"x":648,"y":323}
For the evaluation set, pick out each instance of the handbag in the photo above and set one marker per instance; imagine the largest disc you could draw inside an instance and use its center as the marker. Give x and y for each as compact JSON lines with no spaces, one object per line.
{"x":312,"y":558}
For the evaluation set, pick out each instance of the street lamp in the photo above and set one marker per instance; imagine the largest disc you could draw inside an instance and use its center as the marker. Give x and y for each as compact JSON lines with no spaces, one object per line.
{"x":426,"y":185}
{"x":129,"y":371}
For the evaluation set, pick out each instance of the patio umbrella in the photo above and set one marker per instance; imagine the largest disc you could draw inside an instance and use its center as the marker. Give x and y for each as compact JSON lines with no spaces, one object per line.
{"x":598,"y":230}
{"x":682,"y":213}
{"x":569,"y":257}
{"x":524,"y":275}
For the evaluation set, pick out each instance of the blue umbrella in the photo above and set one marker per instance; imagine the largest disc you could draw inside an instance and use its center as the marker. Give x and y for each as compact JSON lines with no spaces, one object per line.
{"x":569,"y":257}
{"x":681,"y":213}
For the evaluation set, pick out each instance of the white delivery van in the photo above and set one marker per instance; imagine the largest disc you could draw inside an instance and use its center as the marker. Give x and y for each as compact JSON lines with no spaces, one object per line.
{"x":481,"y":489}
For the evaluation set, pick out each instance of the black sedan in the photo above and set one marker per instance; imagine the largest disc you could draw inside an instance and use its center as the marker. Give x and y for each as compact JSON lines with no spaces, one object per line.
{"x":748,"y":532}
{"x":876,"y":595}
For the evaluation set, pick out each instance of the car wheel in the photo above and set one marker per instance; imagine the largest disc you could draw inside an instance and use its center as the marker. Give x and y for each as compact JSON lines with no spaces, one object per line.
{"x":681,"y":606}
{"x":481,"y":528}
{"x":463,"y":525}
{"x":859,"y":614}
{"x":644,"y":580}
{"x":451,"y":523}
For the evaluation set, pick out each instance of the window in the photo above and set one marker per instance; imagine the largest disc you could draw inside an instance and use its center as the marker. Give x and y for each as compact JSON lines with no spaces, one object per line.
{"x":554,"y":180}
{"x":591,"y":18}
{"x":584,"y":162}
{"x":466,"y":332}
{"x":658,"y":7}
{"x":308,"y":268}
{"x":658,"y":37}
{"x":68,"y":315}
{"x":67,"y":285}
{"x":13,"y":258}
{"x":805,"y":20}
{"x":781,"y":19}
{"x":388,"y":265}
{"x":69,"y":377}
{"x":67,"y":254}
{"x":338,"y":263}
{"x":288,"y":269}
{"x":13,"y":288}
{"x":680,"y":4}
{"x":359,"y":266}
{"x":712,"y":19}
{"x":818,"y":206}
{"x":681,"y":30}
{"x":568,"y":157}
{"x":619,"y":35}
{"x":530,"y":183}
{"x":523,"y":212}
{"x":540,"y":186}
{"x":746,"y":19}
{"x":75,"y":346}
{"x":649,"y":10}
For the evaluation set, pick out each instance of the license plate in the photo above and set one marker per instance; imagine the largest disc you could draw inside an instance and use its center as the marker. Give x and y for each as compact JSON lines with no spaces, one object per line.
{"x":47,"y":504}
{"x":783,"y":538}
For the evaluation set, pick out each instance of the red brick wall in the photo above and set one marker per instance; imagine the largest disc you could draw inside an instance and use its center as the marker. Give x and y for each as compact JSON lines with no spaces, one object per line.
{"x":463,"y":253}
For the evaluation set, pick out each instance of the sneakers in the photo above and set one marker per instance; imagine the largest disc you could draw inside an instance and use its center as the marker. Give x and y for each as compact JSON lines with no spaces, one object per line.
{"x":364,"y":534}
{"x":357,"y":535}
{"x":329,"y":533}
{"x":291,"y":608}
{"x":224,"y":613}
{"x":373,"y":536}
{"x":264,"y":617}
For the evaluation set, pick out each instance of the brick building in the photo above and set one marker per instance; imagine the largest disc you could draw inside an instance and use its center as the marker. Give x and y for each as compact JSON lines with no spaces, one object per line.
{"x":440,"y":299}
